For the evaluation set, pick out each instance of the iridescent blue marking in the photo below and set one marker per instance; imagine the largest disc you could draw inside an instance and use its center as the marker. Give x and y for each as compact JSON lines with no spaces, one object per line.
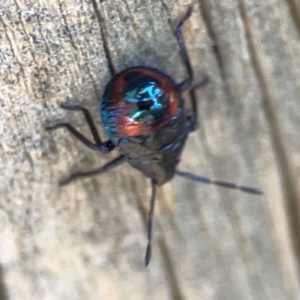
{"x":148,"y":93}
{"x":144,"y":101}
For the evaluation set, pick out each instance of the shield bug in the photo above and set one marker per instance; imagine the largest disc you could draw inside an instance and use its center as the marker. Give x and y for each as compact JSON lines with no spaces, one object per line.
{"x":144,"y":116}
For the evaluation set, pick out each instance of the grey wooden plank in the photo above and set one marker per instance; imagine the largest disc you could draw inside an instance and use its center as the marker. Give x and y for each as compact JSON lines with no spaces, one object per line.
{"x":87,"y":240}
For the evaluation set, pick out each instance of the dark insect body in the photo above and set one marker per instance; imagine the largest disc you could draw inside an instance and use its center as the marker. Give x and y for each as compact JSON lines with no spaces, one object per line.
{"x":143,"y":114}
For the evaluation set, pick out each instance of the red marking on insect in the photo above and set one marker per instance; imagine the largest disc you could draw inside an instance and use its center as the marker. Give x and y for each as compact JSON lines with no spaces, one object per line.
{"x":126,"y":125}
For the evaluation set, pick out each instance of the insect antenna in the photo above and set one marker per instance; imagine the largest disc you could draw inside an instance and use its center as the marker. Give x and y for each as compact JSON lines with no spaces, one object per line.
{"x":224,"y":184}
{"x":150,"y":223}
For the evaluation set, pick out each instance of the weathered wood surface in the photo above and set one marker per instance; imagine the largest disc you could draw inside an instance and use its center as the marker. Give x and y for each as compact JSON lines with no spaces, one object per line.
{"x":87,"y":240}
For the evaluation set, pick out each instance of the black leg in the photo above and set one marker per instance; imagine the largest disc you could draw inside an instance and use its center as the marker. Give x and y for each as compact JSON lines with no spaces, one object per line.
{"x":109,"y":166}
{"x":196,"y":84}
{"x":189,"y":83}
{"x":150,"y":223}
{"x":104,"y":147}
{"x":192,"y":118}
{"x":182,"y":47}
{"x":223,"y":184}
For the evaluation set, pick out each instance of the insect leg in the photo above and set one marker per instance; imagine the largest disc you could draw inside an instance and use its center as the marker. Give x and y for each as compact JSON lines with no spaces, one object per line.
{"x":109,"y":166}
{"x":189,"y":83}
{"x":182,"y":47}
{"x":223,"y":184}
{"x":104,"y":147}
{"x":184,"y":55}
{"x":150,"y":223}
{"x":196,"y":84}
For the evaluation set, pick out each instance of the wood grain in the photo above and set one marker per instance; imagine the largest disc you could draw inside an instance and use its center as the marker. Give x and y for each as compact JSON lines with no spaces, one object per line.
{"x":87,"y":240}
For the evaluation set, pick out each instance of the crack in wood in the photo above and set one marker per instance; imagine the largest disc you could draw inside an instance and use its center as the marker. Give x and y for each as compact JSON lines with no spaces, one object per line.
{"x":111,"y":68}
{"x":205,"y":15}
{"x":172,"y":278}
{"x":289,"y":186}
{"x":294,"y":6}
{"x":76,"y":49}
{"x":3,"y":290}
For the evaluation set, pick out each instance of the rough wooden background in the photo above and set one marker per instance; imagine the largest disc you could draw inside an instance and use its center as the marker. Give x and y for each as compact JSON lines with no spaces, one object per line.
{"x":87,"y":240}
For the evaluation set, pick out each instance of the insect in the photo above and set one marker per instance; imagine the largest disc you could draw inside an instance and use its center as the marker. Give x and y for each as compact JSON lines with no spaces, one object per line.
{"x":144,"y":116}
